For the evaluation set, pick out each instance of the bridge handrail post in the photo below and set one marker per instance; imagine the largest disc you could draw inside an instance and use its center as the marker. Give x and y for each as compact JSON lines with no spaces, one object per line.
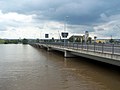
{"x":94,"y":47}
{"x":73,"y":45}
{"x":77,"y":46}
{"x":67,"y":45}
{"x":87,"y":46}
{"x":113,"y":49}
{"x":82,"y":46}
{"x":102,"y":47}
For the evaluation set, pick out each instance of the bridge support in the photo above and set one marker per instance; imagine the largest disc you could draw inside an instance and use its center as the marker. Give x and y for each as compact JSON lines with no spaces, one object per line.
{"x":67,"y":54}
{"x":40,"y":46}
{"x":49,"y":49}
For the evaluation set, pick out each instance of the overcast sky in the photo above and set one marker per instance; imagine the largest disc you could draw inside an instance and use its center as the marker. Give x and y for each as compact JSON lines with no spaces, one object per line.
{"x":34,"y":18}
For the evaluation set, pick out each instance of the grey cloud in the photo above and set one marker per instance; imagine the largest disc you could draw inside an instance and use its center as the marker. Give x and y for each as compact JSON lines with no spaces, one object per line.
{"x":83,"y":13}
{"x":2,"y":28}
{"x":80,"y":28}
{"x":79,"y":11}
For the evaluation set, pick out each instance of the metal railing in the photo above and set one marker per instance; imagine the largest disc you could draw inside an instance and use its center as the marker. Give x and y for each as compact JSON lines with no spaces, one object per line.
{"x":101,"y":47}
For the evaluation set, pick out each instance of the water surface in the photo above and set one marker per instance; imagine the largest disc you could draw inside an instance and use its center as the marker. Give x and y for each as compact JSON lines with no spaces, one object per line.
{"x":23,"y":67}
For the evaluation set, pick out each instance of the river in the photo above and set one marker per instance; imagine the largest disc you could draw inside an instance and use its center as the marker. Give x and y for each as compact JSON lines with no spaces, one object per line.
{"x":23,"y":67}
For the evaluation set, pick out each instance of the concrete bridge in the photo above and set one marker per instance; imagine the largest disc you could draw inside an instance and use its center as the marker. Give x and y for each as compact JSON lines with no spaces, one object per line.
{"x":108,"y":53}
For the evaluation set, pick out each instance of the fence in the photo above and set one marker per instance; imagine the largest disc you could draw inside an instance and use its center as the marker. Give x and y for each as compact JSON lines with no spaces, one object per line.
{"x":103,"y":48}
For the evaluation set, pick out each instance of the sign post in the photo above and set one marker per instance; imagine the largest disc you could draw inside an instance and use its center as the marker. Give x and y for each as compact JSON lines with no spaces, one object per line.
{"x":64,"y":35}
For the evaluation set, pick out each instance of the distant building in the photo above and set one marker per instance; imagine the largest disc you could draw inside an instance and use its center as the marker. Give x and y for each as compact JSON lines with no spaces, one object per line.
{"x":76,"y":38}
{"x":79,"y":38}
{"x":100,"y":41}
{"x":104,"y":40}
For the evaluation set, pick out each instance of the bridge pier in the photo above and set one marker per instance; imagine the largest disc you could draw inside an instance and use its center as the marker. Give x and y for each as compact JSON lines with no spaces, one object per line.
{"x":49,"y":49}
{"x":40,"y":46}
{"x":67,"y":54}
{"x":107,"y":57}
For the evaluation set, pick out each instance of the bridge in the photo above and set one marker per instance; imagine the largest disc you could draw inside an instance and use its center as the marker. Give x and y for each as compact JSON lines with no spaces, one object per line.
{"x":108,"y":53}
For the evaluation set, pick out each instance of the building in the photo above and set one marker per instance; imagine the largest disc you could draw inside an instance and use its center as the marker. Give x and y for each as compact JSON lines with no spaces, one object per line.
{"x":79,"y":38}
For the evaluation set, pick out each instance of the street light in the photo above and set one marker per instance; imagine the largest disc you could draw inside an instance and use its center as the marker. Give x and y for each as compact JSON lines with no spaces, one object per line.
{"x":65,"y":34}
{"x":86,"y":36}
{"x":59,"y":36}
{"x":65,"y":24}
{"x":95,"y":39}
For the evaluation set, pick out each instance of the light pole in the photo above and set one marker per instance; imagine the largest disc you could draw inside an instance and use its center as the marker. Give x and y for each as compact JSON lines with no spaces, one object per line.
{"x":59,"y":36}
{"x":65,"y":34}
{"x":65,"y":24}
{"x":95,"y":39}
{"x":86,"y":36}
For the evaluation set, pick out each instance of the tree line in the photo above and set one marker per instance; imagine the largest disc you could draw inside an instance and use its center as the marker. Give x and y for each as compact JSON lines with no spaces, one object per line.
{"x":13,"y":41}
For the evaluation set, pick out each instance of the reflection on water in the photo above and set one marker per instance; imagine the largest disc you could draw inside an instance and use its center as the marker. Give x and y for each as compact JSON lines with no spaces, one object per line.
{"x":23,"y":67}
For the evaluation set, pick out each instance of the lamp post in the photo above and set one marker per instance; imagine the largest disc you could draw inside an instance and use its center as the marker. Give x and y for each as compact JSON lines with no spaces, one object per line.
{"x":59,"y":36}
{"x":86,"y":36}
{"x":95,"y":39}
{"x":40,"y":28}
{"x":65,"y":34}
{"x":65,"y":24}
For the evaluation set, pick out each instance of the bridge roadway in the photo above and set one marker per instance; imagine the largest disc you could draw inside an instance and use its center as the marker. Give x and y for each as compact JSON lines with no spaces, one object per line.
{"x":104,"y":53}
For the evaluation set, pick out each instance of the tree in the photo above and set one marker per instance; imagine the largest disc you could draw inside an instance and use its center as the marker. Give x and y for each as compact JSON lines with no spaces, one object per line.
{"x":99,"y":42}
{"x":95,"y":39}
{"x":89,"y":40}
{"x":37,"y":40}
{"x":71,"y":39}
{"x":78,"y":39}
{"x":83,"y":40}
{"x":25,"y":41}
{"x":2,"y":41}
{"x":53,"y":39}
{"x":111,"y":40}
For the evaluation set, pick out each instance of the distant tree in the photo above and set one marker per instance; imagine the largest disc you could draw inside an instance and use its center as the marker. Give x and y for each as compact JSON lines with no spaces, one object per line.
{"x":71,"y":39}
{"x":95,"y":37}
{"x":78,"y":39}
{"x":19,"y":40}
{"x":83,"y":40}
{"x":89,"y":40}
{"x":6,"y":42}
{"x":99,"y":42}
{"x":37,"y":40}
{"x":111,"y":40}
{"x":53,"y":39}
{"x":14,"y":41}
{"x":25,"y":41}
{"x":2,"y":41}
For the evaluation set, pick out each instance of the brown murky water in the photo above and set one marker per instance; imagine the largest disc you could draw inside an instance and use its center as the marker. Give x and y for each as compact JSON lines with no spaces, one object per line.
{"x":23,"y":67}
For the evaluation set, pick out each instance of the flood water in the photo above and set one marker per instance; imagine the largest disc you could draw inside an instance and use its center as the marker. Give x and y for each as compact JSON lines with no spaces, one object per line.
{"x":23,"y":67}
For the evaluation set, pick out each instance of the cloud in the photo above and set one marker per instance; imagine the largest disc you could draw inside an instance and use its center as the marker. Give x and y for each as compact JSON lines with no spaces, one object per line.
{"x":50,"y":15}
{"x":14,"y":19}
{"x":13,"y":23}
{"x":79,"y":11}
{"x":109,"y":28}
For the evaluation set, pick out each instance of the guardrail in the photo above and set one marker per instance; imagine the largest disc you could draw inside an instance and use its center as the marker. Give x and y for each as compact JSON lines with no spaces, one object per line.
{"x":103,"y":48}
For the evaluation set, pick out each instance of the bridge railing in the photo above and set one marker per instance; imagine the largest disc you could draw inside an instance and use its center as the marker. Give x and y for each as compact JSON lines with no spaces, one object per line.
{"x":95,"y":47}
